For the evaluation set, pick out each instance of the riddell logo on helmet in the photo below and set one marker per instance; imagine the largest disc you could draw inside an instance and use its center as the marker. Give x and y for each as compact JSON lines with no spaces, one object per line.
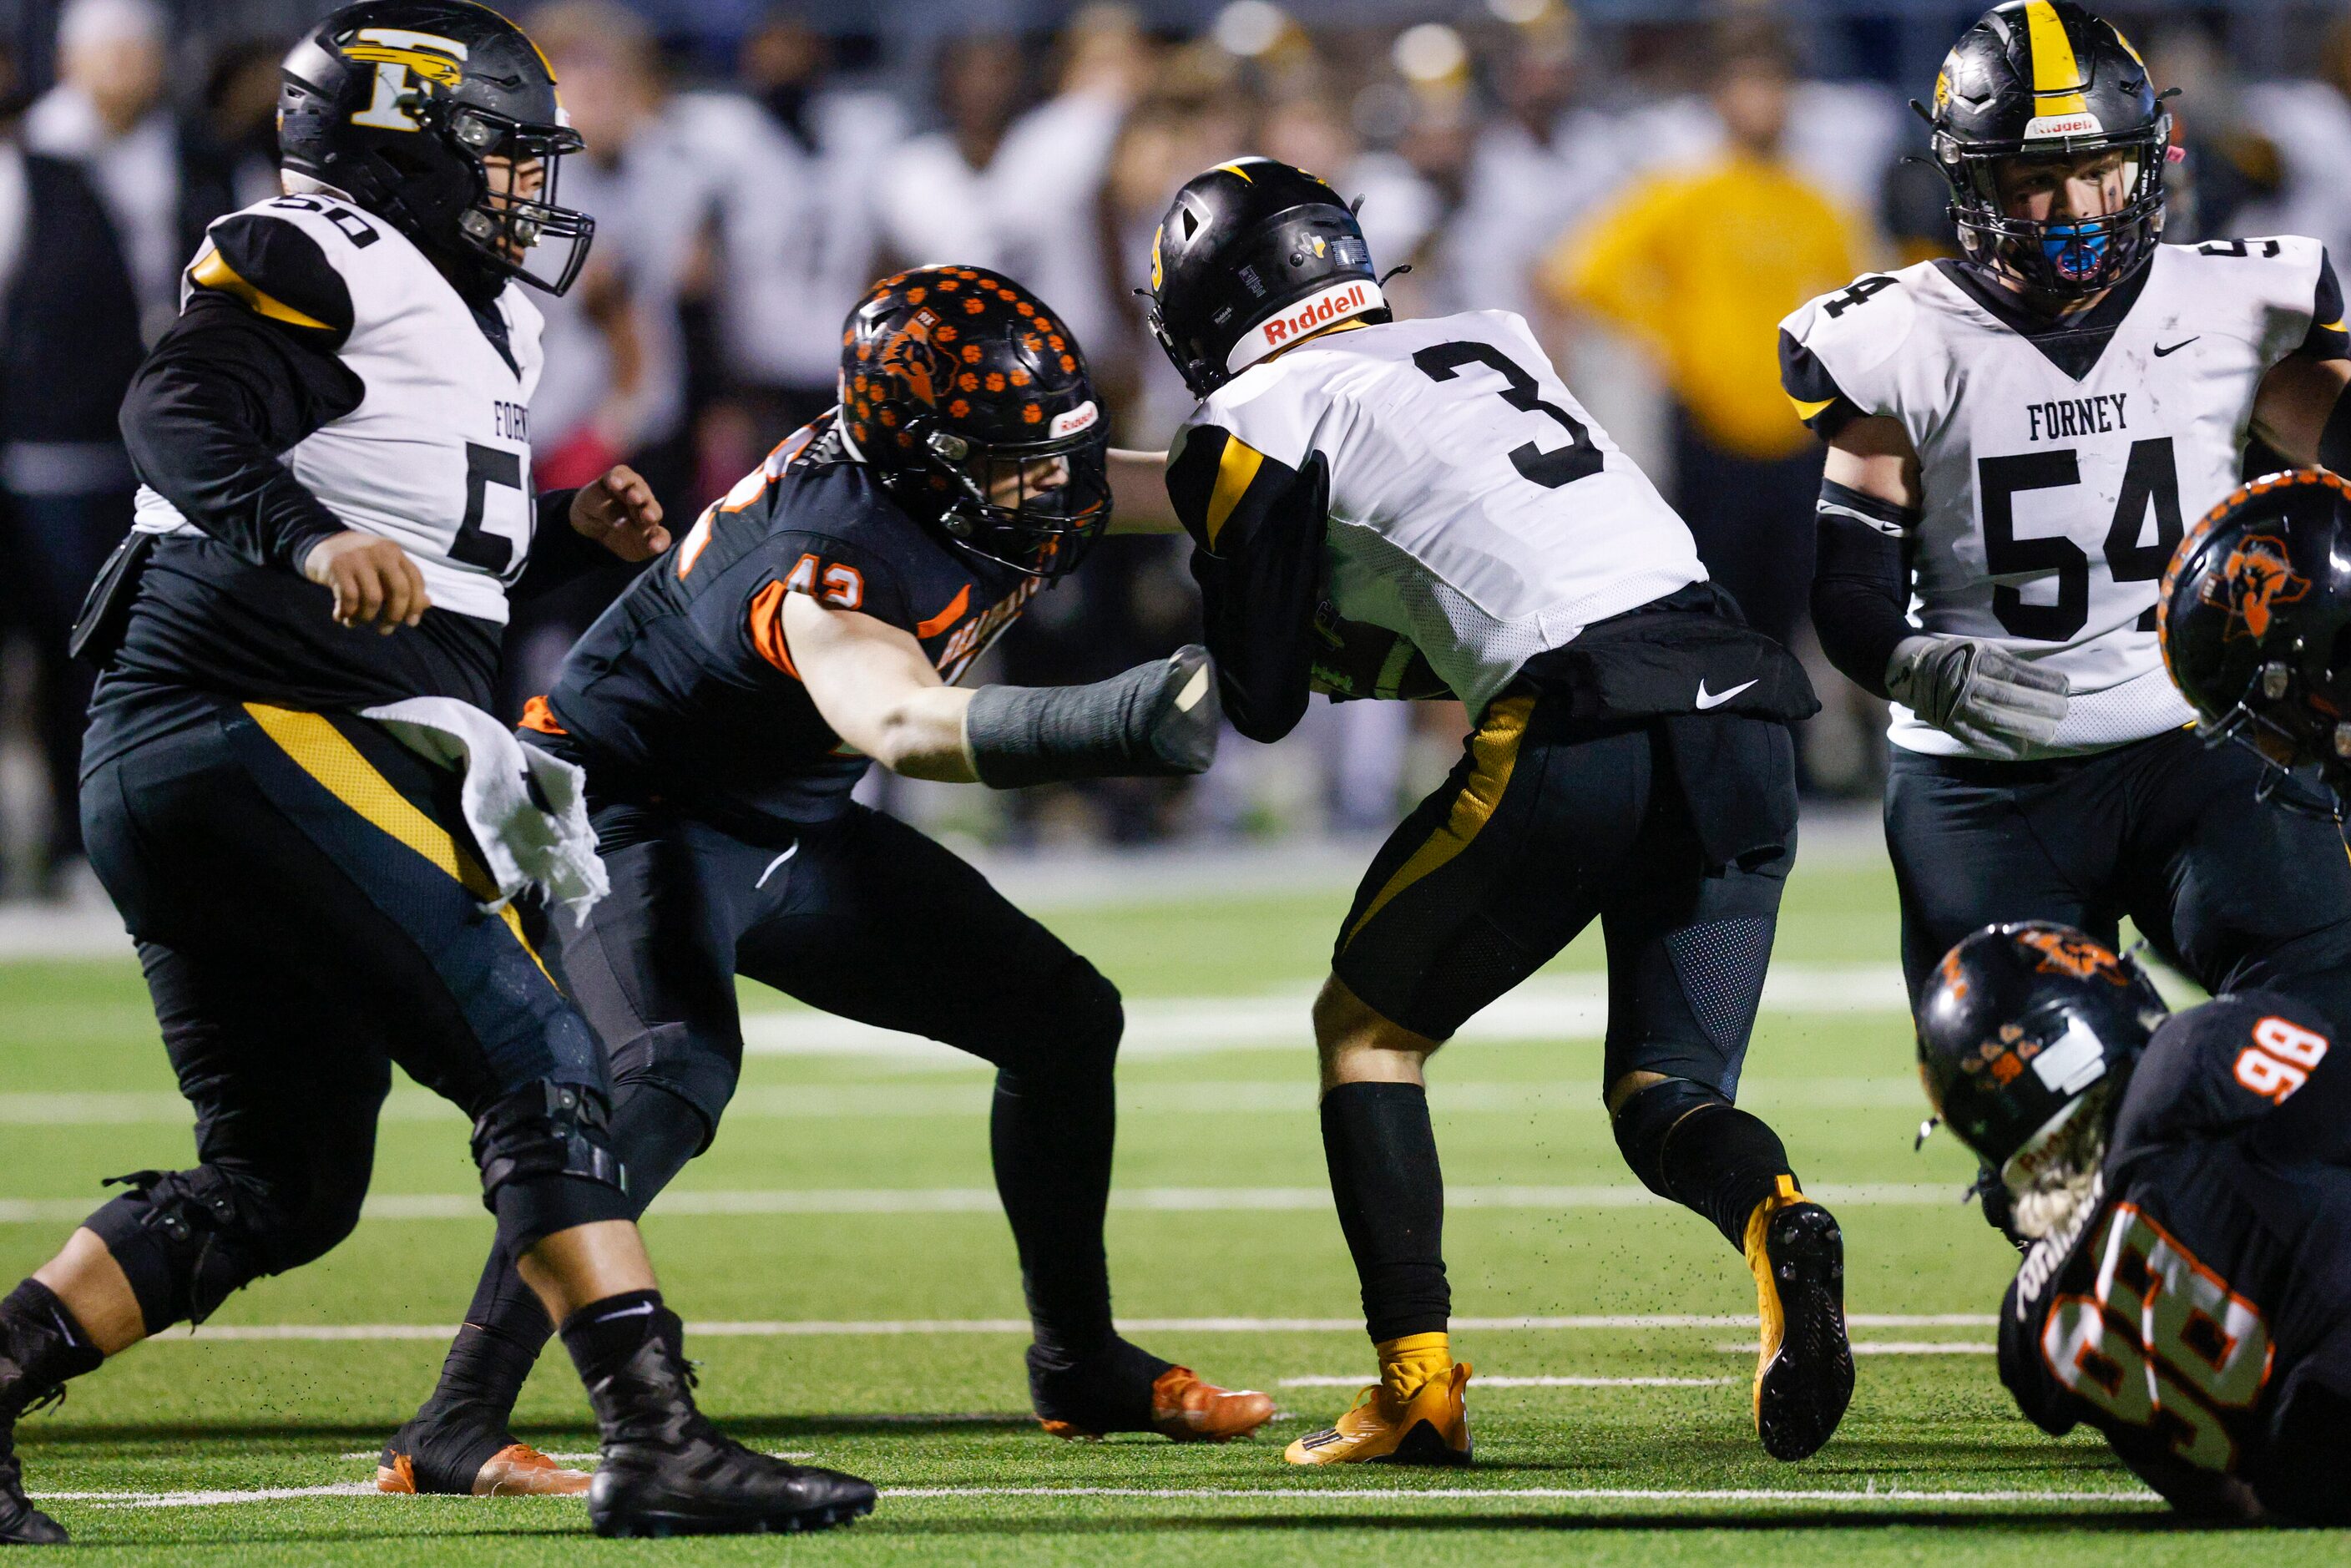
{"x":1317,"y":311}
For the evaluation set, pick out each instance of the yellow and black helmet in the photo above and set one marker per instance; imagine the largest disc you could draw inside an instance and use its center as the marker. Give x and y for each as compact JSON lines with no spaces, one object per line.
{"x":2038,"y":79}
{"x":400,"y":106}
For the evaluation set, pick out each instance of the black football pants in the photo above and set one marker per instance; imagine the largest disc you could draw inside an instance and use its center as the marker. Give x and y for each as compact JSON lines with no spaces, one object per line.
{"x":308,"y":908}
{"x":2236,"y":892}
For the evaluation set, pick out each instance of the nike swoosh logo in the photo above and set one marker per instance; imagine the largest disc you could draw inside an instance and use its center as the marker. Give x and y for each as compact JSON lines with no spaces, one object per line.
{"x":774,"y":864}
{"x":1706,"y":699}
{"x":2162,"y":353}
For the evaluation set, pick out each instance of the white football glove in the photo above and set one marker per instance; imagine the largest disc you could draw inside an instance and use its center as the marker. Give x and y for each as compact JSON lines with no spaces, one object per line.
{"x":1979,"y":692}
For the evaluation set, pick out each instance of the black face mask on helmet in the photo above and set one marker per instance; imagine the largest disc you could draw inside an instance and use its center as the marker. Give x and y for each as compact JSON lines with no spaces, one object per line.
{"x":2254,"y":618}
{"x":970,"y":400}
{"x":432,"y":114}
{"x":1253,"y":256}
{"x":2044,"y":79}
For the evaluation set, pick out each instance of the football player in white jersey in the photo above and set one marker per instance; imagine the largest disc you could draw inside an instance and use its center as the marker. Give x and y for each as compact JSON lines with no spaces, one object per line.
{"x":1400,"y":508}
{"x":2014,"y":439}
{"x":334,"y":440}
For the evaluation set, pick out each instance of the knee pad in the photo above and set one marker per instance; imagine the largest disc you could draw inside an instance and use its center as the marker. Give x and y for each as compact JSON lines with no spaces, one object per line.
{"x":1644,"y":1123}
{"x":548,"y":1163}
{"x":1069,"y":1036}
{"x":188,"y":1239}
{"x":547,"y":1129}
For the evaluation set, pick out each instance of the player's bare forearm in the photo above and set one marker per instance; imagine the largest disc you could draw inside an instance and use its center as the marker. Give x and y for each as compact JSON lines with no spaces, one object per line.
{"x":2296,"y":400}
{"x":1138,"y":490}
{"x":876,"y":690}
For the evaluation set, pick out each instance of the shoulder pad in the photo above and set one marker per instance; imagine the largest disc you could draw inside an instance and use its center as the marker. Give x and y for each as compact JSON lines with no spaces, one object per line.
{"x":1833,"y":349}
{"x":276,"y":268}
{"x":1272,"y":406}
{"x":2287,"y":280}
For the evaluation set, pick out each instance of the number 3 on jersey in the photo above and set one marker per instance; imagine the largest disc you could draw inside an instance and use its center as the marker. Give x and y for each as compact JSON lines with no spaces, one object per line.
{"x":2150,"y":482}
{"x":1579,"y":459}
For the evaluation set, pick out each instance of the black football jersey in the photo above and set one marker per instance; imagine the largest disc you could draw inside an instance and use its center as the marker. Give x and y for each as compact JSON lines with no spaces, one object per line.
{"x":685,"y":688}
{"x":2214,"y":1260}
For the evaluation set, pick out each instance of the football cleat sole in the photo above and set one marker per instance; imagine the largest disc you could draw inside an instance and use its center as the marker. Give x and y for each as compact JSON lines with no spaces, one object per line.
{"x":1804,"y":1376}
{"x":661,"y":1526}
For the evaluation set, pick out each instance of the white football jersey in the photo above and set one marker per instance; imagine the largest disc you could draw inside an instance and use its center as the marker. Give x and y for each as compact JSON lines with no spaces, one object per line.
{"x":1475,"y":507}
{"x":437,"y":455}
{"x":2058,"y":473}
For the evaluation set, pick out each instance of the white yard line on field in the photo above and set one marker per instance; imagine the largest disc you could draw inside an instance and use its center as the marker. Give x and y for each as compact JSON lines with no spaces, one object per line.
{"x":1872,"y":1497}
{"x":1485,"y":1380}
{"x":685,"y":1202}
{"x":1567,"y":1094}
{"x":1547,"y":1008}
{"x":829,"y":1328}
{"x":1889,"y":1347}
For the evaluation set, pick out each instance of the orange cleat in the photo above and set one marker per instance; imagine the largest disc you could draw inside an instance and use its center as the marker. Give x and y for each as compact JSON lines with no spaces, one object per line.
{"x":1186,"y":1410}
{"x":516,"y":1471}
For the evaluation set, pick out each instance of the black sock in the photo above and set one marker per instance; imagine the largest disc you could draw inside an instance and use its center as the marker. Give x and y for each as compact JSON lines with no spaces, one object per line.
{"x":43,"y":1337}
{"x":1722,"y":1162}
{"x":602,"y":1335}
{"x":1051,"y":1145}
{"x":1391,"y":1196}
{"x":655,"y":1133}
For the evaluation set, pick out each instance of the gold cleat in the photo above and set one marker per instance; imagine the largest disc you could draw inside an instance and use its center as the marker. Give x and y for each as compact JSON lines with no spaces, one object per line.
{"x":1430,"y":1427}
{"x":516,"y":1471}
{"x":1804,"y":1376}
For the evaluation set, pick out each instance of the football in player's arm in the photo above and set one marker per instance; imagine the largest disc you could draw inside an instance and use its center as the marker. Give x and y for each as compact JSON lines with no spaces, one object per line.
{"x":2180,"y":1187}
{"x":819,"y":619}
{"x":1386,"y":509}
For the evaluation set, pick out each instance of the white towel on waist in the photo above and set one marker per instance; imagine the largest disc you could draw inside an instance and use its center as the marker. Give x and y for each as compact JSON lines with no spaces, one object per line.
{"x":528,"y":809}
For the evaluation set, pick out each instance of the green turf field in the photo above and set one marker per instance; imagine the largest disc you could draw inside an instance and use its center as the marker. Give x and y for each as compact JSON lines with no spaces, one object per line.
{"x":844,"y":1232}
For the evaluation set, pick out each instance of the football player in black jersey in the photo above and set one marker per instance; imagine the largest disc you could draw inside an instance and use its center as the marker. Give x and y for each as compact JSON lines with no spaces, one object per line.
{"x":2181,"y":1185}
{"x":333,"y":441}
{"x":815,"y":620}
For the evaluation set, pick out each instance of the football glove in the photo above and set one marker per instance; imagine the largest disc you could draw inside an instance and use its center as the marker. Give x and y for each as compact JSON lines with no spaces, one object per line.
{"x":1355,"y":659}
{"x":1979,"y":692}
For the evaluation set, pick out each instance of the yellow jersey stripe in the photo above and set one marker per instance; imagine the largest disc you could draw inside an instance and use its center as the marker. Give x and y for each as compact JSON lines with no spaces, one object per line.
{"x":213,"y":271}
{"x":1495,"y":751}
{"x":2334,"y":326}
{"x":2056,"y":75}
{"x":1234,"y":468}
{"x":1808,"y":412}
{"x":323,"y":752}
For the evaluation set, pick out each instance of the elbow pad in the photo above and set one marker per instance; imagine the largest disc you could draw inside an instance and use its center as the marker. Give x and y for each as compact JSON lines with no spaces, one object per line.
{"x":1156,"y":721}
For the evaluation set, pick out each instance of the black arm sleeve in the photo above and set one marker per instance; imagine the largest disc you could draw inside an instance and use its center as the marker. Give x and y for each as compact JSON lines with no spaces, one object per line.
{"x":222,"y":395}
{"x":1257,"y":528}
{"x":1861,"y":584}
{"x":558,"y":554}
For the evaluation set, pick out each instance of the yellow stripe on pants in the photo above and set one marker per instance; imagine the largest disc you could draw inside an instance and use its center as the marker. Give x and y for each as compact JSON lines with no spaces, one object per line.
{"x":1494,"y":752}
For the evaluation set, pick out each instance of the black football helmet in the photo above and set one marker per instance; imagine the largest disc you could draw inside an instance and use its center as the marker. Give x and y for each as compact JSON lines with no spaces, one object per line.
{"x":2038,"y":78}
{"x":955,"y":383}
{"x":2254,"y":619}
{"x":2016,"y":1024}
{"x":1251,"y":257}
{"x":399,"y":105}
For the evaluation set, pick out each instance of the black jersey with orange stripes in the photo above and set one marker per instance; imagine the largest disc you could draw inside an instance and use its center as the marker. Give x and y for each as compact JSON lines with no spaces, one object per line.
{"x":686,"y":688}
{"x":2205,"y":1284}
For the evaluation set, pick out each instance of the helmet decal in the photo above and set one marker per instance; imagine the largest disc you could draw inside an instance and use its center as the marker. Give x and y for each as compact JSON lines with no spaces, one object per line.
{"x":2068,"y":952}
{"x":2255,"y":577}
{"x":397,"y":53}
{"x":911,"y":355}
{"x":2058,"y":104}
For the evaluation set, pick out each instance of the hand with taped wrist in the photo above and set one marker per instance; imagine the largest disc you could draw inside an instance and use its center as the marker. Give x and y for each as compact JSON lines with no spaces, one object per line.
{"x":1979,"y":692}
{"x":1157,"y":720}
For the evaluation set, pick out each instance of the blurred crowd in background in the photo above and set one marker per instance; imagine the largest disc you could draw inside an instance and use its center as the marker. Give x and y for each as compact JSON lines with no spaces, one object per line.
{"x":1653,"y":186}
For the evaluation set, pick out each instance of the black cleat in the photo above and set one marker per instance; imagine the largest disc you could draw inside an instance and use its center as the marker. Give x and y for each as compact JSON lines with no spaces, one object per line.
{"x":666,"y":1471}
{"x":1803,"y":1378}
{"x":38,"y":1353}
{"x":22,"y":1524}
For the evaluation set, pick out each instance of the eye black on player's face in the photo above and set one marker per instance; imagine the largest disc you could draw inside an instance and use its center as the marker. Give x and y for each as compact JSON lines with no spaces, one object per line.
{"x":2070,"y":188}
